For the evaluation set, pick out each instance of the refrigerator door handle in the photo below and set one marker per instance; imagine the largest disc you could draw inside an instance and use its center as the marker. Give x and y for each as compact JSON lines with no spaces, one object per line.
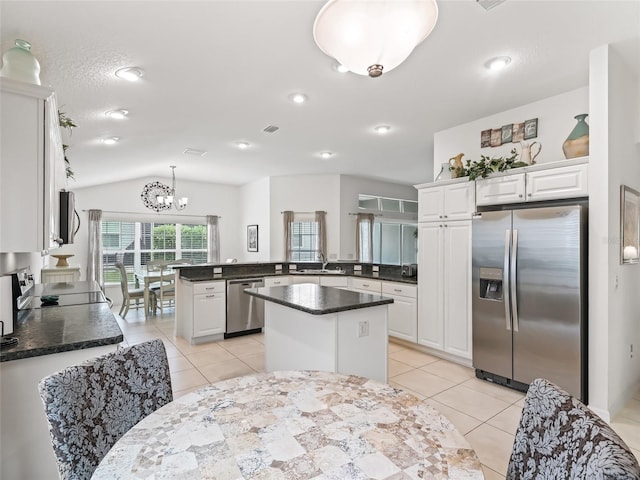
{"x":505,"y":280}
{"x":513,"y":280}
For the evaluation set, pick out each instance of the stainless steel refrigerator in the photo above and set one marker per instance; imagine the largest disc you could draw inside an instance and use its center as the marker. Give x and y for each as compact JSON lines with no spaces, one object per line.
{"x":530,"y":296}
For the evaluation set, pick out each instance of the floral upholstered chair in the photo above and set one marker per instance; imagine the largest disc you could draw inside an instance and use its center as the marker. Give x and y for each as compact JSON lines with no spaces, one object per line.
{"x":559,"y":437}
{"x":91,"y":405}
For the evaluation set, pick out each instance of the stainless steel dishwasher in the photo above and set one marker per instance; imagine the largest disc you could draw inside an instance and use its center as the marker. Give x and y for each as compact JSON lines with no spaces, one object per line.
{"x":245,"y":313}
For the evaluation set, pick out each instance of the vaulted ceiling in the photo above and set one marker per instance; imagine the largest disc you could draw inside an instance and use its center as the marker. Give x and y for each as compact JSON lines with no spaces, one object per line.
{"x":218,"y":72}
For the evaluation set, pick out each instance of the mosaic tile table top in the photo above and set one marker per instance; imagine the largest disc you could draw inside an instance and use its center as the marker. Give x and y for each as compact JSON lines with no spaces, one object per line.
{"x":293,"y":425}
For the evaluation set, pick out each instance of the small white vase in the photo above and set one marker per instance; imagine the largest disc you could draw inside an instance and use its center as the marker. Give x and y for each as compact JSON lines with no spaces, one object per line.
{"x":19,"y":64}
{"x":445,"y":173}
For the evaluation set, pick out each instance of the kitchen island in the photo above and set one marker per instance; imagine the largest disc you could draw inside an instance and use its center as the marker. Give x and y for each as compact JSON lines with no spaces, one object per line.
{"x":312,"y":327}
{"x":49,"y":339}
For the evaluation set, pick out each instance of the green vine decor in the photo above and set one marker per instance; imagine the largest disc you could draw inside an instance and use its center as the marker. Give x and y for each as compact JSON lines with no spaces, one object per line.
{"x":486,"y":166}
{"x":66,"y":122}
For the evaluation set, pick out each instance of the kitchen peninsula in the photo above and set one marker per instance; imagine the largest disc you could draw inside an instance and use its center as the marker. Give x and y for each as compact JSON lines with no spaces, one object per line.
{"x":313,"y":327}
{"x":49,"y":338}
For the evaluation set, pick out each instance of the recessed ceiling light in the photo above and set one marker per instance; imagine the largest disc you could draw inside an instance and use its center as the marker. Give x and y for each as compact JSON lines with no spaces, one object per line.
{"x":497,"y":63}
{"x":110,"y":140}
{"x":242,"y":145}
{"x":326,"y":155}
{"x":117,"y":114}
{"x":382,"y":129}
{"x":298,"y":97}
{"x":341,"y":68}
{"x":132,"y":74}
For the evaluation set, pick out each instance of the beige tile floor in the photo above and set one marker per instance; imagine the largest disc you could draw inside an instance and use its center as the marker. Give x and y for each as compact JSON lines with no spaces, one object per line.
{"x":485,"y":413}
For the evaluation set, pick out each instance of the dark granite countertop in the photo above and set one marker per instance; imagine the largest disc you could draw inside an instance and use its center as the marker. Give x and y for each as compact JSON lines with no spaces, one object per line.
{"x":45,"y":331}
{"x":208,"y":276}
{"x":317,"y":299}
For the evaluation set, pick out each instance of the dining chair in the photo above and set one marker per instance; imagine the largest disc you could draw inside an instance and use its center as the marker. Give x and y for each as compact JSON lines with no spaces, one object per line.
{"x":165,"y":290}
{"x":91,"y":405}
{"x":129,"y":295}
{"x":559,"y":437}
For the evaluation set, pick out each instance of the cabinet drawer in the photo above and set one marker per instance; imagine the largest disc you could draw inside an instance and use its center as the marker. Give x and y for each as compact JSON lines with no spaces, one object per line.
{"x":374,"y":286}
{"x":276,"y":281}
{"x":209,"y":287}
{"x":399,"y":289}
{"x":338,"y":282}
{"x":556,"y":183}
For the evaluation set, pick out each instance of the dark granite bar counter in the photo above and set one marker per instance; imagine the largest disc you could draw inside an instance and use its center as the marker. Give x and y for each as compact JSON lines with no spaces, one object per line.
{"x":318,"y":299}
{"x":45,"y":331}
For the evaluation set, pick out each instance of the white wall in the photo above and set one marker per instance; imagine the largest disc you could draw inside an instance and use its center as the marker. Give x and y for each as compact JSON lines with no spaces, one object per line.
{"x":614,"y":303}
{"x":204,"y":199}
{"x":350,"y":188}
{"x":255,"y":200}
{"x":305,"y":193}
{"x":555,"y":121}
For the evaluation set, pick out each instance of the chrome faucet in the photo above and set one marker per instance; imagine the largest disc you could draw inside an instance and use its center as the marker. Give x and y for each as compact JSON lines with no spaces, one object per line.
{"x":324,"y":260}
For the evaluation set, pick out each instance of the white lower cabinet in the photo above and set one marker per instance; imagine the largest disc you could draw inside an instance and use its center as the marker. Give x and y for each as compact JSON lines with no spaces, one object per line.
{"x":365,"y":285}
{"x":204,"y":311}
{"x":444,"y":288}
{"x":333,"y":281}
{"x":299,"y":278}
{"x":277,"y":281}
{"x":403,"y":312}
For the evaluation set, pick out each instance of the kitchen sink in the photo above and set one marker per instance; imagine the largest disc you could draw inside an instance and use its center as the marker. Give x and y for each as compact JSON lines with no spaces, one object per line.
{"x":318,"y":271}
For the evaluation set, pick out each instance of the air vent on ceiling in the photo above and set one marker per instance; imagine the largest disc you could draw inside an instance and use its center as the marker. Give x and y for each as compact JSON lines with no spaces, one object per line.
{"x":271,"y":129}
{"x":195,"y":151}
{"x":489,"y":4}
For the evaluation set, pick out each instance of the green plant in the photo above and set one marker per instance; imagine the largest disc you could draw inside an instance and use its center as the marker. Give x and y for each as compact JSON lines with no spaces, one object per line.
{"x":486,"y":166}
{"x":66,"y":122}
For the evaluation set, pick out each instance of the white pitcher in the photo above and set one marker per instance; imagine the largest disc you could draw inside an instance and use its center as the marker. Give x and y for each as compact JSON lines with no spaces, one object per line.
{"x":526,"y":155}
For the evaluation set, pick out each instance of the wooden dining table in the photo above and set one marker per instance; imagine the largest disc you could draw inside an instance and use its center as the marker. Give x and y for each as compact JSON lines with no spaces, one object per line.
{"x":293,"y":425}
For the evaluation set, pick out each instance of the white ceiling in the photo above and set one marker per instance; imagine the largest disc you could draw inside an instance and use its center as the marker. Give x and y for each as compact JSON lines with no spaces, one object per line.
{"x":219,"y":72}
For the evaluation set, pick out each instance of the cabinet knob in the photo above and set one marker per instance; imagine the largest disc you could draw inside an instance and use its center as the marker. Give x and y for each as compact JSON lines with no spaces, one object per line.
{"x":397,"y":290}
{"x":446,"y":216}
{"x":445,"y":225}
{"x":520,"y":196}
{"x":440,"y":216}
{"x":529,"y":194}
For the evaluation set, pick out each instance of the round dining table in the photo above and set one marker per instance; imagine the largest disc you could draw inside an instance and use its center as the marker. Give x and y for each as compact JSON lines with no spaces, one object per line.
{"x":293,"y":425}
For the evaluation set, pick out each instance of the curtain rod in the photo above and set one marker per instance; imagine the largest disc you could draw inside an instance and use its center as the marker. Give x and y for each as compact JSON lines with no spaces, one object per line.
{"x":308,"y":212}
{"x":154,"y":213}
{"x":375,"y":214}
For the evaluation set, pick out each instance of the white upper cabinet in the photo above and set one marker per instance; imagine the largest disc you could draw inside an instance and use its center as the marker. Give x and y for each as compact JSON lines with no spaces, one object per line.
{"x":453,"y":201}
{"x":541,"y":182}
{"x":31,"y":166}
{"x":561,"y":182}
{"x":500,"y":190}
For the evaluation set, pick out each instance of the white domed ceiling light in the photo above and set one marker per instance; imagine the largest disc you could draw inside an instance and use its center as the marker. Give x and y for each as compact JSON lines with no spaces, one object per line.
{"x":382,"y":129}
{"x":110,"y":140}
{"x":370,"y":37}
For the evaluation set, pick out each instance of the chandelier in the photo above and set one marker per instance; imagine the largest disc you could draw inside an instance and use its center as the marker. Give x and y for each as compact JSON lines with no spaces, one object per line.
{"x":370,"y":37}
{"x":158,"y":196}
{"x":170,"y":198}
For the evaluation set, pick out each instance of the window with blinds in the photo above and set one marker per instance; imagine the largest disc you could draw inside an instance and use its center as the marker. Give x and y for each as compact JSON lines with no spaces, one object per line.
{"x":304,"y":241}
{"x":136,"y":243}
